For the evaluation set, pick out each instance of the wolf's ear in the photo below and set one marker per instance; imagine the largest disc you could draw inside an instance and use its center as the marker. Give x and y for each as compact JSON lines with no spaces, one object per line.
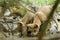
{"x":28,"y":26}
{"x":18,"y":23}
{"x":35,"y":26}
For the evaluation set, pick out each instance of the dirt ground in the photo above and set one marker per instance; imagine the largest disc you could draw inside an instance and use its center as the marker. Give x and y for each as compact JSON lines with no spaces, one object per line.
{"x":15,"y":37}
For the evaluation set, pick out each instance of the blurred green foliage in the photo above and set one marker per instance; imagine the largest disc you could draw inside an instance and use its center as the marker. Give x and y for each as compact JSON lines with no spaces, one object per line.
{"x":44,"y":2}
{"x":22,"y":4}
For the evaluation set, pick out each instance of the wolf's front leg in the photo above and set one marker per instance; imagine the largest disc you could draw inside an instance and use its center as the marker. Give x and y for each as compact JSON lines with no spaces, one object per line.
{"x":23,"y":21}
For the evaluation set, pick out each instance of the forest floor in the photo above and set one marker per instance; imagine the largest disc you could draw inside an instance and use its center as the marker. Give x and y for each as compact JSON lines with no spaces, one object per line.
{"x":14,"y":37}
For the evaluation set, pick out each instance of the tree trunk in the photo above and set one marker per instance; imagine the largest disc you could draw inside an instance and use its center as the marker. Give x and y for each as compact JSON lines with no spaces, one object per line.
{"x":43,"y":28}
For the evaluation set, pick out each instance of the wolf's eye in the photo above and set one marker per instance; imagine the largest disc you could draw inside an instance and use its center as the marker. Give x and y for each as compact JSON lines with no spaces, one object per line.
{"x":34,"y":30}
